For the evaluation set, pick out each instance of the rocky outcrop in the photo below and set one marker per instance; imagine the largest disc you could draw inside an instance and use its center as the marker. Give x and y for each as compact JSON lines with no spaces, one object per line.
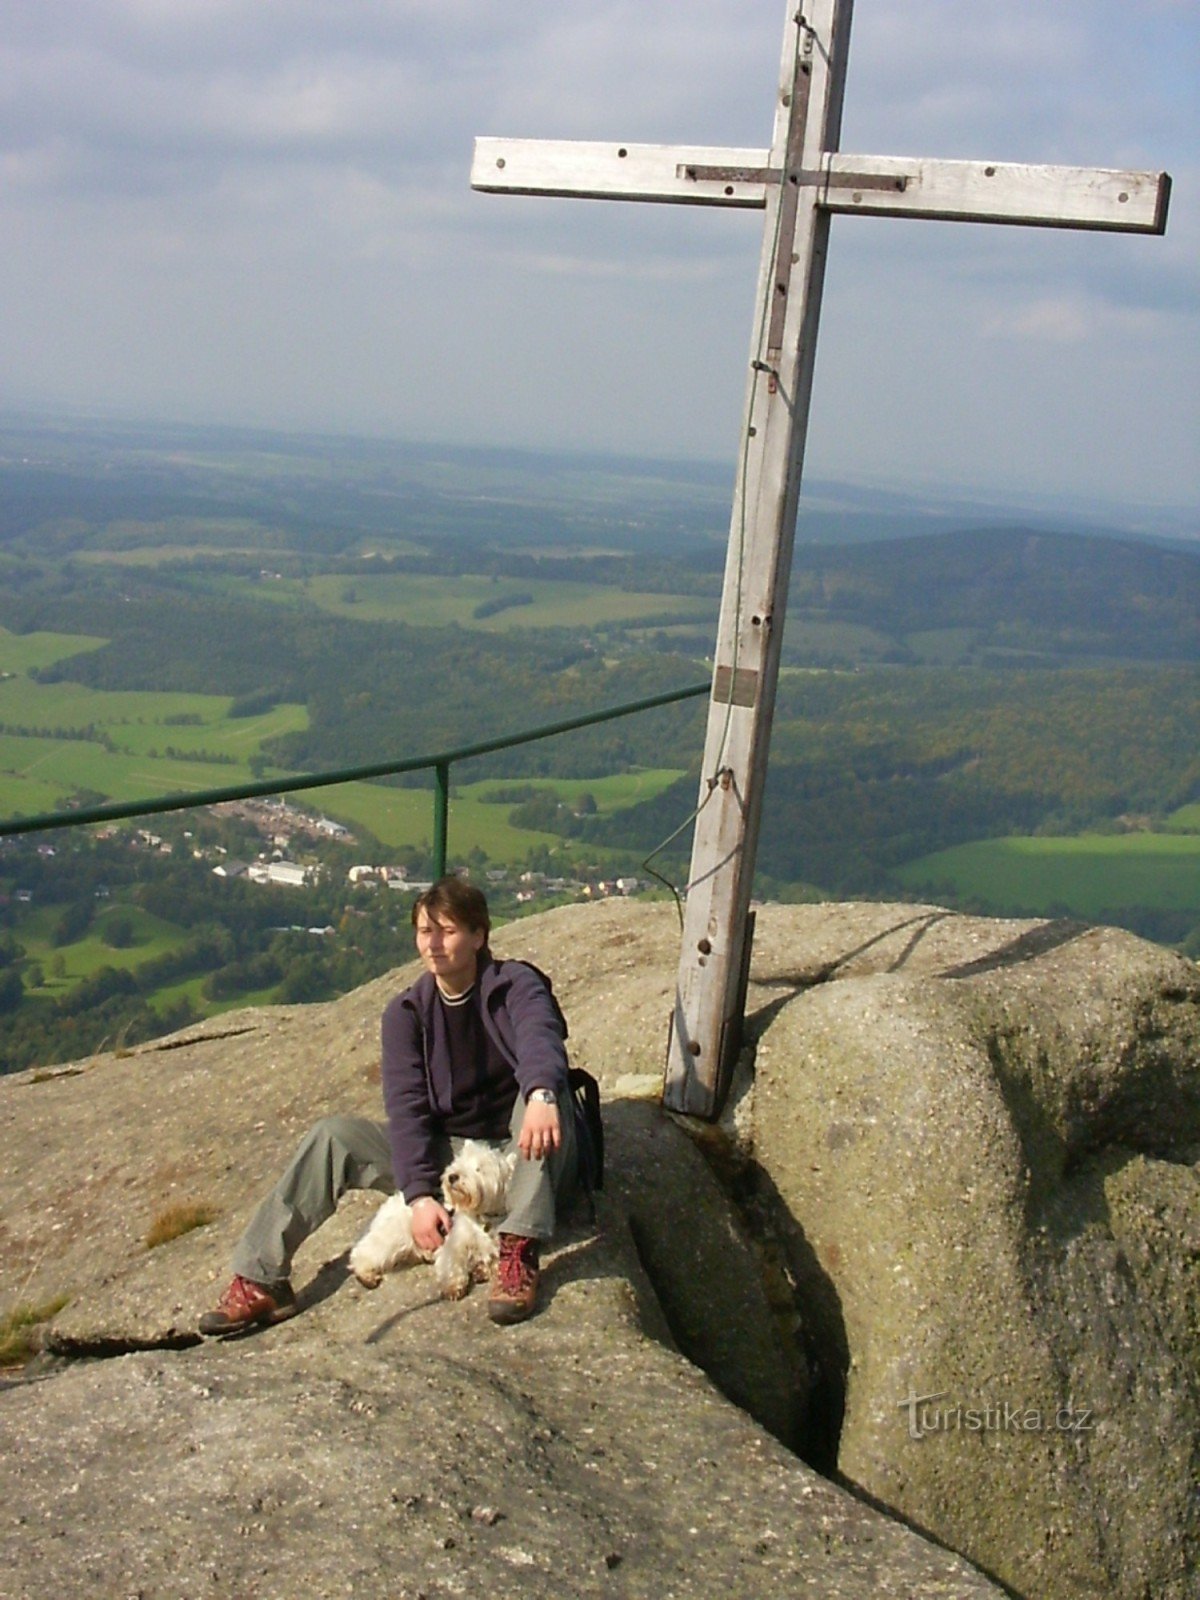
{"x":965,"y":1167}
{"x":395,"y":1445}
{"x":984,"y":1137}
{"x":392,"y":1444}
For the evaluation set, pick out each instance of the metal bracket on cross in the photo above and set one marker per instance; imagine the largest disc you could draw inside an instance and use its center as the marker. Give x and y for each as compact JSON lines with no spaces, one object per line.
{"x":800,"y":181}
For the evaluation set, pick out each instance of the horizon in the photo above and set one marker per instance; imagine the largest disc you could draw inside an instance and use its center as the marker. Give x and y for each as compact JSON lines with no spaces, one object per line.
{"x":1064,"y":510}
{"x":263,"y":216}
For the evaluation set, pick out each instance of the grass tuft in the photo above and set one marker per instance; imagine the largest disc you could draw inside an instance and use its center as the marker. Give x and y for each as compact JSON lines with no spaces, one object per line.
{"x":20,"y":1330}
{"x":175,"y":1220}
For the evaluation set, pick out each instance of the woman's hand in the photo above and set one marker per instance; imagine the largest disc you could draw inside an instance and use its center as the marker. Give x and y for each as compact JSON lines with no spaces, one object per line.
{"x":430,"y":1223}
{"x":541,"y":1131}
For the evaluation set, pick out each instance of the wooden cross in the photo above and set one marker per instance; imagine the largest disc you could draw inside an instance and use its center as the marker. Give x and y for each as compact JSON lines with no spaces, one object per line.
{"x":800,"y":182}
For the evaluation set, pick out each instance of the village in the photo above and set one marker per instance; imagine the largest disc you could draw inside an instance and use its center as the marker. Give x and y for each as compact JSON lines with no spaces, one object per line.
{"x":281,"y":824}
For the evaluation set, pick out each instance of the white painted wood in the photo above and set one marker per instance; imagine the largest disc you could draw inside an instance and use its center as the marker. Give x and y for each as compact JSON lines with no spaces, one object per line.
{"x":993,"y":191}
{"x":601,"y":172}
{"x":965,"y":191}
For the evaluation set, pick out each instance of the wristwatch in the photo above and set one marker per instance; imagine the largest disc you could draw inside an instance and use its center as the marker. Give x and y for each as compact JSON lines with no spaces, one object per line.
{"x":546,"y":1096}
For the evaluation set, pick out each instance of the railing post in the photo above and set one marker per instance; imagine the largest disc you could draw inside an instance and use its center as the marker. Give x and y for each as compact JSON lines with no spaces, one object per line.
{"x":441,"y":815}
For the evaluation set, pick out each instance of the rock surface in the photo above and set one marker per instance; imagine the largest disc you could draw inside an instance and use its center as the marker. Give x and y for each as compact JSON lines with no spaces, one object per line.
{"x":396,"y":1446}
{"x":968,"y":1139}
{"x":986,"y":1137}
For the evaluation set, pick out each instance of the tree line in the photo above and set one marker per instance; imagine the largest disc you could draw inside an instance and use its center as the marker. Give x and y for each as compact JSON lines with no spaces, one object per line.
{"x":869,"y":770}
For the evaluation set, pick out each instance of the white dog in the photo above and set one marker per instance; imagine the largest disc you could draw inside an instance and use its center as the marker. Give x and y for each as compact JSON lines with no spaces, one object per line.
{"x":475,"y":1191}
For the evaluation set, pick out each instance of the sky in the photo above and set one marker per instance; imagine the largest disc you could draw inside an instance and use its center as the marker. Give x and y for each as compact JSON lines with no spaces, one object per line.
{"x":258,"y":212}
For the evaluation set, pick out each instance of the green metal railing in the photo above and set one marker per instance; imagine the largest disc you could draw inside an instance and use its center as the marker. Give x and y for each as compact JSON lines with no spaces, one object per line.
{"x":441,"y":763}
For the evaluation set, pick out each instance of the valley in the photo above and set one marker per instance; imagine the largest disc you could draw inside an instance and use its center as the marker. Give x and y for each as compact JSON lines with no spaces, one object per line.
{"x":997,"y":717}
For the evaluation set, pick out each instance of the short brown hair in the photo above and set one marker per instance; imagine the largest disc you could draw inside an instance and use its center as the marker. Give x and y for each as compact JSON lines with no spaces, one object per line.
{"x":462,"y":902}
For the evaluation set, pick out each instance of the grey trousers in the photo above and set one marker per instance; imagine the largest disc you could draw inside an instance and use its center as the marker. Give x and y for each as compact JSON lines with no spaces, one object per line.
{"x":342,"y":1153}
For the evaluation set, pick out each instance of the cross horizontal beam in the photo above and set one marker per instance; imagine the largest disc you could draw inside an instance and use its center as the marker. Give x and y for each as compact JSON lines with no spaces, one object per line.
{"x":962,"y":191}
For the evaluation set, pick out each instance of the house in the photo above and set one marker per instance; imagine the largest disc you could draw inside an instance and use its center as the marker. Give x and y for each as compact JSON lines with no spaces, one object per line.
{"x":287,"y":873}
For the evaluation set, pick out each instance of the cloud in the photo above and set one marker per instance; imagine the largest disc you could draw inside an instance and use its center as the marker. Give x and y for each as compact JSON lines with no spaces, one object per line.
{"x":260,"y":208}
{"x":1064,"y":320}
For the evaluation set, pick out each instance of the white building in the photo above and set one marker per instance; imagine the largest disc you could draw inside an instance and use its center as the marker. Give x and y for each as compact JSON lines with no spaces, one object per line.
{"x":286,"y":873}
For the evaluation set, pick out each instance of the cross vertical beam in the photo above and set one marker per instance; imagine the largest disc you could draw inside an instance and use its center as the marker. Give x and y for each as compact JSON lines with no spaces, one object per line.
{"x":706,"y":1025}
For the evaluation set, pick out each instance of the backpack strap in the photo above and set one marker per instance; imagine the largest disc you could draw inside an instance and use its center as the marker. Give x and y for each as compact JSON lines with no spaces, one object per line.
{"x":585,"y":1092}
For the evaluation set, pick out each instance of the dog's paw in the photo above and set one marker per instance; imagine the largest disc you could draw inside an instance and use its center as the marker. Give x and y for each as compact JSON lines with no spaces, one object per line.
{"x":456,"y":1289}
{"x":368,"y":1273}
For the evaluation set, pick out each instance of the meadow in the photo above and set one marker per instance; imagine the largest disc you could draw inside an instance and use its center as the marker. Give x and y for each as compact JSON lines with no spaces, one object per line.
{"x":426,"y":600}
{"x":124,"y":745}
{"x":132,"y":744}
{"x":63,"y":966}
{"x":25,"y":652}
{"x":1091,"y":874}
{"x":611,"y":794}
{"x":399,"y":817}
{"x":405,"y":816}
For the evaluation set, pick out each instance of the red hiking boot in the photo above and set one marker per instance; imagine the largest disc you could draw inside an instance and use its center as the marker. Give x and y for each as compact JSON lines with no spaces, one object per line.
{"x":515,"y":1284}
{"x":245,"y":1303}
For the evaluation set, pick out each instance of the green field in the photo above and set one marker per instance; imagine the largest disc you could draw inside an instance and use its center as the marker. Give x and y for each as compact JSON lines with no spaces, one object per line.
{"x":944,"y":647}
{"x":33,"y":769}
{"x":25,"y":703}
{"x":1091,"y":874}
{"x":35,"y":774}
{"x":846,"y":640}
{"x":38,"y":770}
{"x":610,"y":794}
{"x":22,"y":652}
{"x":151,"y":937}
{"x":426,"y":600}
{"x":204,"y":541}
{"x":405,"y":816}
{"x":192,"y":990}
{"x":158,"y":555}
